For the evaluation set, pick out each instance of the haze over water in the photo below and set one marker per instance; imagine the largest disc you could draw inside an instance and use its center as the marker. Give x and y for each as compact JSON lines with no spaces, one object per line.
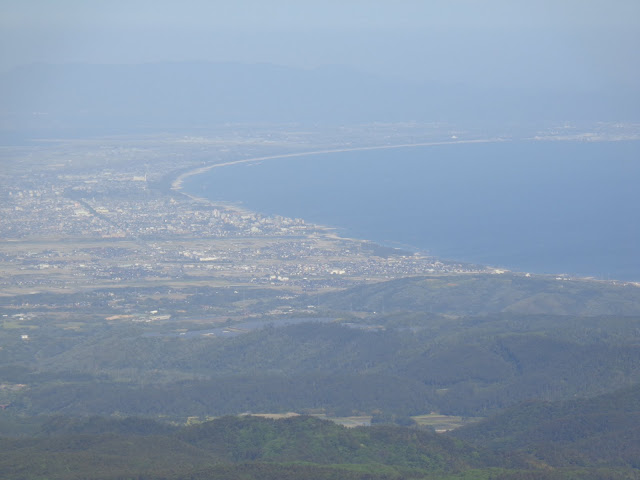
{"x":540,"y":207}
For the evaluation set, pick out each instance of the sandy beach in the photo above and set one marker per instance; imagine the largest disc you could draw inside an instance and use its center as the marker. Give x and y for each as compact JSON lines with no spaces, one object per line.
{"x":178,"y":182}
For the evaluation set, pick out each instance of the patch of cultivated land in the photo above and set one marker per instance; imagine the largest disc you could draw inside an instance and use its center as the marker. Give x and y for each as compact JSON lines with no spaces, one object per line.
{"x":443,"y":423}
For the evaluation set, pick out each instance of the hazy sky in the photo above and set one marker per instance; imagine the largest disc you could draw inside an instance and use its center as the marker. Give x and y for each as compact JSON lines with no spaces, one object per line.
{"x":583,"y":43}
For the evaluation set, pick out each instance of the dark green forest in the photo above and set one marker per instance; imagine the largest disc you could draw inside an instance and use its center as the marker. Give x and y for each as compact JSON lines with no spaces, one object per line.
{"x":306,"y":447}
{"x":550,"y":364}
{"x":471,"y":366}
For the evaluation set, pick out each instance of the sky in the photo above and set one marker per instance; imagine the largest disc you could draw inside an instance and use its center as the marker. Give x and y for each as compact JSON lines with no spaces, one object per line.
{"x":584,"y":44}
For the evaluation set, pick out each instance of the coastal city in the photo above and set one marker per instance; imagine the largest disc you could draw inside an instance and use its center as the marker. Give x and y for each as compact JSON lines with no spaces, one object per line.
{"x":78,"y":219}
{"x":109,"y":215}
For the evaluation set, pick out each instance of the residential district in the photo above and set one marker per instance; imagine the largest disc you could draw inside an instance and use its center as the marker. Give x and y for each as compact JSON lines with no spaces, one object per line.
{"x":91,"y":223}
{"x":73,"y":219}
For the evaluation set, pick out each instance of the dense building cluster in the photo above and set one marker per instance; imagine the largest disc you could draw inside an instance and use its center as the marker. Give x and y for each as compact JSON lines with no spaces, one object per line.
{"x":69,"y":224}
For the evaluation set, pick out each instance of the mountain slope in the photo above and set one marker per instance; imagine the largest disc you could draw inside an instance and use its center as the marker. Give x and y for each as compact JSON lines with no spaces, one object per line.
{"x":598,"y":431}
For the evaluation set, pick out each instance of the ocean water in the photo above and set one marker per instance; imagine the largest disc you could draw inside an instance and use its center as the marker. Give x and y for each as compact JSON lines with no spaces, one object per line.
{"x":540,"y":207}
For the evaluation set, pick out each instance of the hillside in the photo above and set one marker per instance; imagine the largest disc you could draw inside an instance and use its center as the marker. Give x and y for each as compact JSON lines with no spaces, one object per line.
{"x":461,"y":366}
{"x":483,"y":294}
{"x":243,"y":447}
{"x":600,"y":431}
{"x":259,"y":448}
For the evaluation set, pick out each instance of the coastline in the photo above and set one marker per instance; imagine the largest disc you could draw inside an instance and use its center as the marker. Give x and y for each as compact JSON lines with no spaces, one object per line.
{"x":177,"y":183}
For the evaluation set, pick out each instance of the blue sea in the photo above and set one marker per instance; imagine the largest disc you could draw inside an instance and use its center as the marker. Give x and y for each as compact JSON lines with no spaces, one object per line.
{"x":540,"y":207}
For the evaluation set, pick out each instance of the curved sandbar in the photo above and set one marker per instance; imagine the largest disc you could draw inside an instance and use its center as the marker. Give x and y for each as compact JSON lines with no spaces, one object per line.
{"x":327,"y":231}
{"x":177,"y":183}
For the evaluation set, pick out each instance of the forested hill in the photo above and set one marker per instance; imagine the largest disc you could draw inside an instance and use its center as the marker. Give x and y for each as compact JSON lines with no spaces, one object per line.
{"x":483,"y":294}
{"x":457,"y":344}
{"x":256,"y":448}
{"x":415,"y":364}
{"x":233,"y":447}
{"x":603,"y":430}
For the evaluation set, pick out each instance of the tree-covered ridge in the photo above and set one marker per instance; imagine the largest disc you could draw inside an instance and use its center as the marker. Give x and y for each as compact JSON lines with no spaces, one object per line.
{"x":603,"y":430}
{"x":312,"y":440}
{"x":258,"y":448}
{"x":103,"y":448}
{"x":477,"y":294}
{"x":389,"y":351}
{"x":413,"y":364}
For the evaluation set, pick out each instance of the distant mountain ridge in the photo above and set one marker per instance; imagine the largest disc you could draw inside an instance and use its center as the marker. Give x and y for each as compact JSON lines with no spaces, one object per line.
{"x":77,"y":97}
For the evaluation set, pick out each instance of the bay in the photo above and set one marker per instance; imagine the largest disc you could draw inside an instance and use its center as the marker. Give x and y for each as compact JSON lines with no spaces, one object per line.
{"x":541,"y":207}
